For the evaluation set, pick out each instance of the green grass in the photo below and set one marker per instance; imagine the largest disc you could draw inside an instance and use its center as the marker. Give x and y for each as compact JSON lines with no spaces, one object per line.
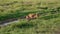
{"x":32,"y":27}
{"x":47,"y":23}
{"x":13,"y":9}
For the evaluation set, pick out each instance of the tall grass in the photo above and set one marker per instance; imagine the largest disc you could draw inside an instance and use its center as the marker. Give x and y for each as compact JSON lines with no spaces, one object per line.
{"x":47,"y":23}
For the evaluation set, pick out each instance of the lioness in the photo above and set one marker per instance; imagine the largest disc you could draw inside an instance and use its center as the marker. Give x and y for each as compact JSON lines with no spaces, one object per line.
{"x":32,"y":16}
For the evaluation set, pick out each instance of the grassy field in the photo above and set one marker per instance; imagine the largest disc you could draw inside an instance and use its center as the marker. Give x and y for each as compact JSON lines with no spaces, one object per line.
{"x":47,"y":23}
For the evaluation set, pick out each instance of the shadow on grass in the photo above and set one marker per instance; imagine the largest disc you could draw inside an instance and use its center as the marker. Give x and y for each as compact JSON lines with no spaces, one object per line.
{"x":16,"y":14}
{"x":25,"y":25}
{"x":49,"y":17}
{"x":12,"y":17}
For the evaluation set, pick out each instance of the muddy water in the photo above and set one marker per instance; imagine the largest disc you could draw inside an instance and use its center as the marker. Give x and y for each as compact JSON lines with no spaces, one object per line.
{"x":9,"y":21}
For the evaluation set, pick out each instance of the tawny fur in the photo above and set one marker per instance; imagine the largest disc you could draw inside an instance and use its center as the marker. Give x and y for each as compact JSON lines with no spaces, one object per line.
{"x":32,"y":16}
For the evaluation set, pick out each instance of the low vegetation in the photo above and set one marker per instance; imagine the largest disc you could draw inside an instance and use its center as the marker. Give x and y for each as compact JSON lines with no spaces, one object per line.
{"x":48,"y":21}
